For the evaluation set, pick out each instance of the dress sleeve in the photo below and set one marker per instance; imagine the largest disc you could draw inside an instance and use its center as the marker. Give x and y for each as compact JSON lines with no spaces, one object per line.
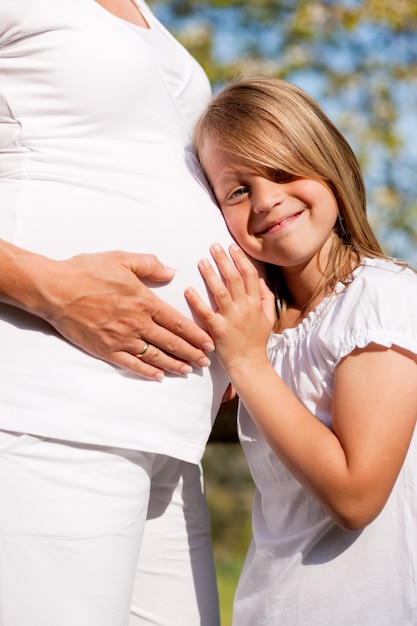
{"x":379,"y":306}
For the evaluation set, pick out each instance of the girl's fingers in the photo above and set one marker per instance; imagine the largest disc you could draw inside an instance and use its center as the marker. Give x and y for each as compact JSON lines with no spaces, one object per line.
{"x":210,"y":318}
{"x":239,"y":274}
{"x":238,"y":284}
{"x":246,"y":268}
{"x":215,"y":284}
{"x":198,"y":304}
{"x":229,"y":272}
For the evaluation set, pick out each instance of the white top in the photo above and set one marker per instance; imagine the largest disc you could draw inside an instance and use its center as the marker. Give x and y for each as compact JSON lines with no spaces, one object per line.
{"x":302,"y":569}
{"x":96,"y":114}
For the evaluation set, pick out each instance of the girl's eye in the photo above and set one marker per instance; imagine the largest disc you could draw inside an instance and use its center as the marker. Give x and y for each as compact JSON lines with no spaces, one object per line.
{"x":238,"y":193}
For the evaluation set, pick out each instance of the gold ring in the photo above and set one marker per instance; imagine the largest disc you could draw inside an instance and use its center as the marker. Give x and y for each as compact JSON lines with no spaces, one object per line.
{"x":143,"y":351}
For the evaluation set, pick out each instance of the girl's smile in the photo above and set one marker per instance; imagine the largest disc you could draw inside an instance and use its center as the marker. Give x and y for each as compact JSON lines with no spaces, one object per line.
{"x":280,"y":224}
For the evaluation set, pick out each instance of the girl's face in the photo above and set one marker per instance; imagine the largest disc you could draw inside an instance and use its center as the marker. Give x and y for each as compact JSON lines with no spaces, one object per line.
{"x":285,"y":221}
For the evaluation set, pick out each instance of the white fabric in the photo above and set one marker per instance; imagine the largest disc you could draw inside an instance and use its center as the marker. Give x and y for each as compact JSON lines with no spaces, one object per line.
{"x":95,"y":117}
{"x":68,"y":557}
{"x":301,"y":568}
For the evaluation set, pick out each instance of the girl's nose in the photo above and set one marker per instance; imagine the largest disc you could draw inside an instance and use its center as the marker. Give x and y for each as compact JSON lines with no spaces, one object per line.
{"x":265,"y":195}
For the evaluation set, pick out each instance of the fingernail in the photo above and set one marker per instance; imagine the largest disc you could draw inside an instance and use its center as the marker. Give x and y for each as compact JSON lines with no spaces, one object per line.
{"x":208,"y":346}
{"x":159,"y":377}
{"x":186,"y":369}
{"x":204,"y":362}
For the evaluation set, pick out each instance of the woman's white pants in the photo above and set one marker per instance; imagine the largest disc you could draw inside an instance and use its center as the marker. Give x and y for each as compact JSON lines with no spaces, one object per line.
{"x":95,"y":536}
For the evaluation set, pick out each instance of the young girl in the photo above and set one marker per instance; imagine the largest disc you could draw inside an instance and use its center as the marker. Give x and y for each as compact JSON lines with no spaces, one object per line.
{"x":329,"y":399}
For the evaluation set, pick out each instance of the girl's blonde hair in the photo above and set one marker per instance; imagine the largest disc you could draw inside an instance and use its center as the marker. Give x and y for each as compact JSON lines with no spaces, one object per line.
{"x":268,"y":124}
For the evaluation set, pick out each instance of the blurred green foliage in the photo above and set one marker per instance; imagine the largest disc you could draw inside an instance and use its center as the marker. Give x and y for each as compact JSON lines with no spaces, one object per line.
{"x":230,"y":494}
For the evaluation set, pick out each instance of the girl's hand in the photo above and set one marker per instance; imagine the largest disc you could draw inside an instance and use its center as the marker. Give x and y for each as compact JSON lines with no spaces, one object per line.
{"x":245,"y":312}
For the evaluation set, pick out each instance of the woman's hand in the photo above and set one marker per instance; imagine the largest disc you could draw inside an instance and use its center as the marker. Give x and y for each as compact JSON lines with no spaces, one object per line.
{"x":246,"y":312}
{"x":98,"y":302}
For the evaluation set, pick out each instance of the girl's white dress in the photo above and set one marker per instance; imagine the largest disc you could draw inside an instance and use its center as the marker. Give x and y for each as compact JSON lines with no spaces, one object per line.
{"x":301,"y":568}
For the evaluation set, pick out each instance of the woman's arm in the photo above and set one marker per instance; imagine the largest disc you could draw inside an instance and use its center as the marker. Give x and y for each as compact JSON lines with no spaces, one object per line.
{"x":98,"y":303}
{"x":350,"y":469}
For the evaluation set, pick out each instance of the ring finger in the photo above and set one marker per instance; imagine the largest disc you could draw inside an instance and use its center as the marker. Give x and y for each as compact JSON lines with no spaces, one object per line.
{"x":153,"y":356}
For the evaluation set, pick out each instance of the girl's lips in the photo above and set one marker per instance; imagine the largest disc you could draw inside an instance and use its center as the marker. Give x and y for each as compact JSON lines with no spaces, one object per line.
{"x":281,"y":223}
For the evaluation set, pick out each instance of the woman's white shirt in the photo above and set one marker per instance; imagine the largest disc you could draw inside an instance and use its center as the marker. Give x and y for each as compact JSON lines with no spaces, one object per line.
{"x":96,"y":115}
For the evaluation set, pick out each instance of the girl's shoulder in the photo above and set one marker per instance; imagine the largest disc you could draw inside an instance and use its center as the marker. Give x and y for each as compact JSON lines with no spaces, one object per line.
{"x":380,"y":282}
{"x":384,"y":270}
{"x":377,"y":306}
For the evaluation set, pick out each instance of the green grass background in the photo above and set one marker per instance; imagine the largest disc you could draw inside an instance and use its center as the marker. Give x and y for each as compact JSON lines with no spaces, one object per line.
{"x":230,"y":494}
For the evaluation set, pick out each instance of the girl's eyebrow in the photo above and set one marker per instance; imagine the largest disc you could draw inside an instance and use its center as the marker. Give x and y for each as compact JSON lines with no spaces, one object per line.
{"x":233,"y":173}
{"x":225,"y":178}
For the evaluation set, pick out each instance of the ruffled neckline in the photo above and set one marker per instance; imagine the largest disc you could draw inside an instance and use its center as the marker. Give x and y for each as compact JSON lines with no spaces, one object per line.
{"x":294,"y":335}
